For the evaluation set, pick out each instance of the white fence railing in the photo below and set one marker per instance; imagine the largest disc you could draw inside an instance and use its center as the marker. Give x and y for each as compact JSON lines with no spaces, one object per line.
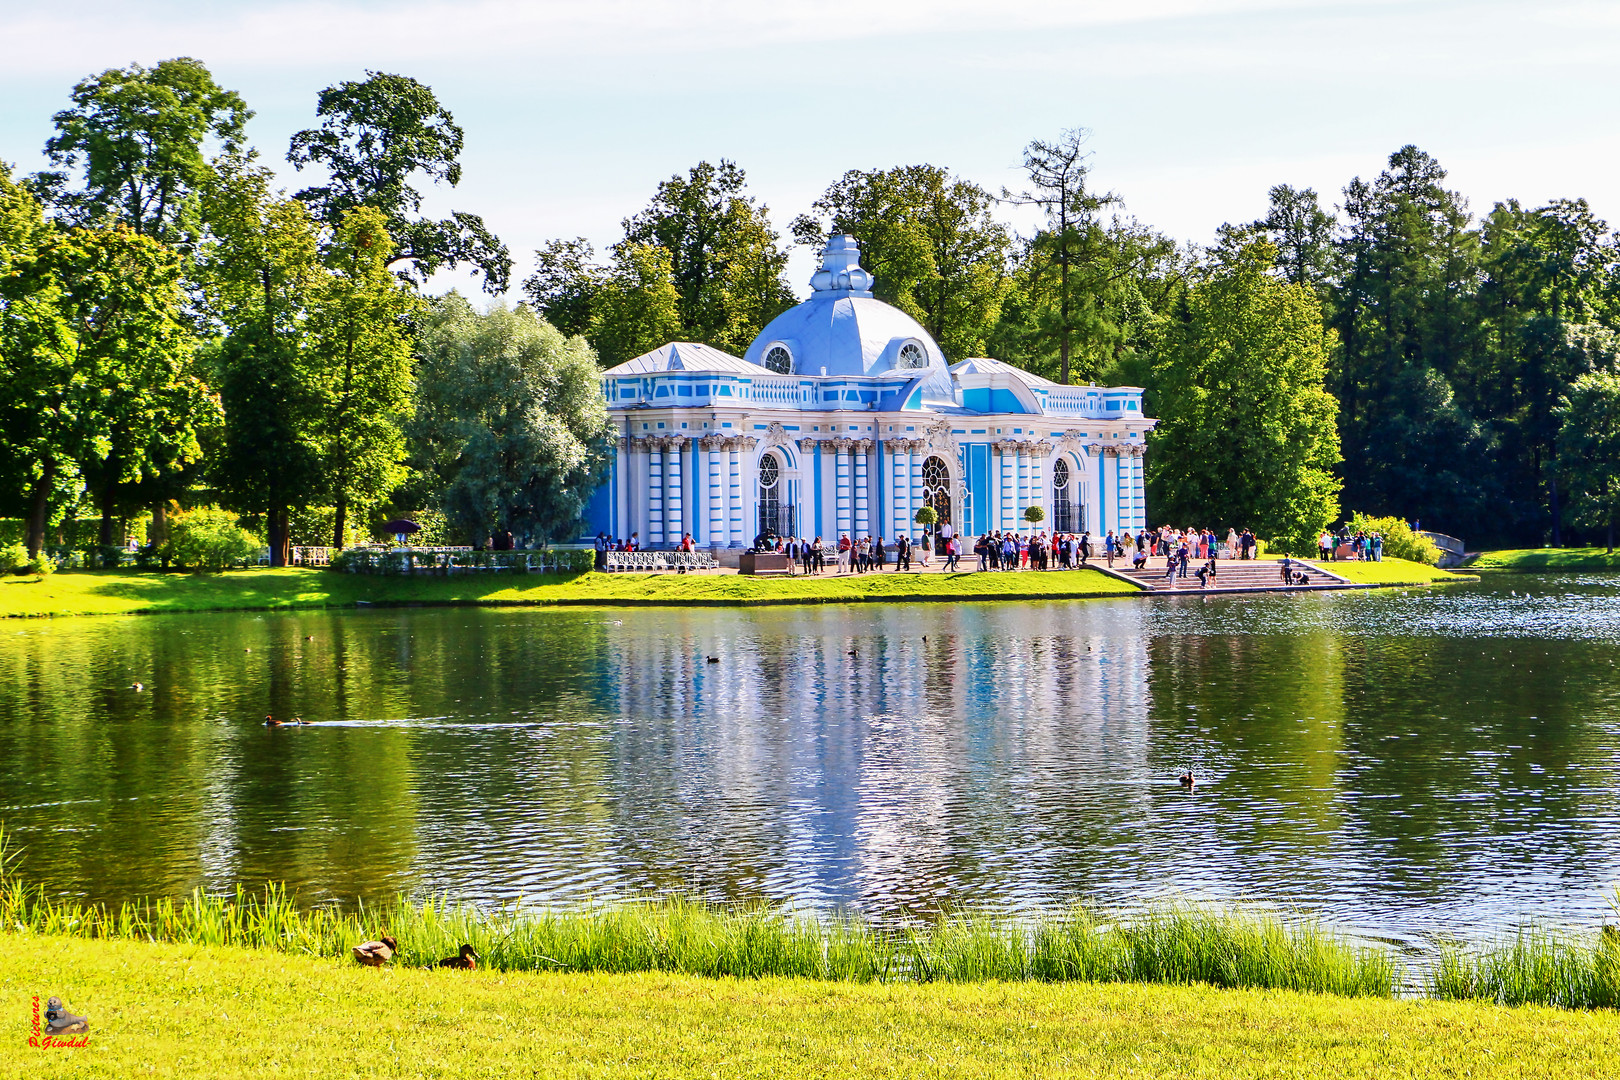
{"x":660,"y":560}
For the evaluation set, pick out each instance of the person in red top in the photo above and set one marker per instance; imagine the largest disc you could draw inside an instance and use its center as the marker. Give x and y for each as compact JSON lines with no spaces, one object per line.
{"x":686,"y":542}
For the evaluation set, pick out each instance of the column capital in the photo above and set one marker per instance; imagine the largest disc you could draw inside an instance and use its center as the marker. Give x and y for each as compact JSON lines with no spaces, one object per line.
{"x":713,"y":441}
{"x":841,"y":445}
{"x":808,"y":445}
{"x":674,"y":442}
{"x":864,"y":446}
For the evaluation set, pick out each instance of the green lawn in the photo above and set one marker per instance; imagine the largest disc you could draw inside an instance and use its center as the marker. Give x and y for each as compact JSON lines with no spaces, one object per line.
{"x":1395,"y":572}
{"x":124,"y":592}
{"x":184,"y":1011}
{"x":1592,"y":558}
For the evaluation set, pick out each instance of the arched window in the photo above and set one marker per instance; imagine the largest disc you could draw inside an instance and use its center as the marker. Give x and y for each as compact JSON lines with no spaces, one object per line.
{"x":775,"y":517}
{"x":911,"y":356}
{"x":1062,"y":499}
{"x":779,"y":360}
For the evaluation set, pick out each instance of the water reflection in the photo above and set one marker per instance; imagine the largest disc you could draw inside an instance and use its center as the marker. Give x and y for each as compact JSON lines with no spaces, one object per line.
{"x":1402,"y":763}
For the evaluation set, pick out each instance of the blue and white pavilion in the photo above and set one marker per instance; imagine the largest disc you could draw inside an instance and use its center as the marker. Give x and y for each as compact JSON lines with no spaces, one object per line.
{"x":844,"y":418}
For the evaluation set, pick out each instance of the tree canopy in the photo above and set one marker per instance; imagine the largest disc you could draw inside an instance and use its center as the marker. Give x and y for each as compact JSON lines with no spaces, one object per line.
{"x":932,"y":243}
{"x":138,"y":134}
{"x":510,"y":421}
{"x":1247,"y":436}
{"x":375,"y":136}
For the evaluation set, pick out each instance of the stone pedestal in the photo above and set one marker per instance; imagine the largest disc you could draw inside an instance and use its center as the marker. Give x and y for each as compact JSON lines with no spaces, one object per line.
{"x":764,"y":564}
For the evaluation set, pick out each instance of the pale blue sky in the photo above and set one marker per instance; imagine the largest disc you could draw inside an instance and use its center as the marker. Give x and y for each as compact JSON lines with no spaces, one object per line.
{"x":575,"y":111}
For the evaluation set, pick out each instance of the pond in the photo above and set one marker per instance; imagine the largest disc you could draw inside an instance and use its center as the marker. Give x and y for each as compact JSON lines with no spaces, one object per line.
{"x":1405,"y":763}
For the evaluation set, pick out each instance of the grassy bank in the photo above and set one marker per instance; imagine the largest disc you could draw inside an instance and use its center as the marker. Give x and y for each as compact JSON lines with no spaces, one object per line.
{"x":1171,"y":945}
{"x":1396,"y":572}
{"x":208,"y":1011}
{"x":1527,"y":559}
{"x":128,"y":592}
{"x":1174,"y":945}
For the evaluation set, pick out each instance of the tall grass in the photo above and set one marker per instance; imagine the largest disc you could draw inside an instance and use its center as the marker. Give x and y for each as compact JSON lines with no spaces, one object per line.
{"x":1178,"y":944}
{"x":1535,"y":967}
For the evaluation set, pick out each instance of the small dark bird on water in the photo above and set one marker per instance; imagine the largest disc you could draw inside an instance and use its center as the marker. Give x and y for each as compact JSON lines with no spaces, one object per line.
{"x":58,"y":1021}
{"x":712,"y":659}
{"x":137,"y":687}
{"x":376,"y":953}
{"x":1186,"y":779}
{"x":270,"y":721}
{"x":466,"y":961}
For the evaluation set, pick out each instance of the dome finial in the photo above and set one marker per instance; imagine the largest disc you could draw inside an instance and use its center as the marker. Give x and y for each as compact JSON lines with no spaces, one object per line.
{"x":841,"y":273}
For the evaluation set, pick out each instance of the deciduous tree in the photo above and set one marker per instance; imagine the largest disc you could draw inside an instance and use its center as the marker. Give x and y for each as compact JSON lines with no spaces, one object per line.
{"x":261,"y":267}
{"x":931,"y":241}
{"x":138,"y":134}
{"x":1589,"y":451}
{"x":375,"y":137}
{"x":723,"y":254}
{"x":359,"y":346}
{"x":636,"y":308}
{"x":48,"y":419}
{"x":1247,"y":435}
{"x":510,"y":420}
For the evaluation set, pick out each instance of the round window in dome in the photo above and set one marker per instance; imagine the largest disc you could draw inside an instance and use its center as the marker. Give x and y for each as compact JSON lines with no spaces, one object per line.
{"x":779,"y":360}
{"x":912,"y":356}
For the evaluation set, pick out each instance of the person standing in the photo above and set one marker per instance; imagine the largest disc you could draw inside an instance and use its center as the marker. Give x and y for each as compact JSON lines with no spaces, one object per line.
{"x":1085,"y":547}
{"x":879,"y":555}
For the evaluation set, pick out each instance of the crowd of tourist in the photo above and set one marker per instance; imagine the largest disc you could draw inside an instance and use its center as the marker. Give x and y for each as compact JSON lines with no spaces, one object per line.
{"x":1002,"y":551}
{"x":1355,"y":547}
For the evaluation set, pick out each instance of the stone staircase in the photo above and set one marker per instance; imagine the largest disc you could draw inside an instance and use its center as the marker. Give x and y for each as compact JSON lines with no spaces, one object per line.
{"x":1235,"y":575}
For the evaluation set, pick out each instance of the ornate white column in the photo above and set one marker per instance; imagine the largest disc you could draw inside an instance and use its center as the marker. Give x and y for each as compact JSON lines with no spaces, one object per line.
{"x":863,"y":513}
{"x":655,"y":489}
{"x":1122,"y":487}
{"x":674,"y":505}
{"x":1037,"y":482}
{"x":898,"y":475}
{"x":804,"y":514}
{"x":1006,"y":514}
{"x":734,"y":492}
{"x":841,"y":478}
{"x":914,"y":450}
{"x":621,"y":487}
{"x":1138,"y":487}
{"x":1097,"y":522}
{"x":1023,"y":488}
{"x":713,"y":445}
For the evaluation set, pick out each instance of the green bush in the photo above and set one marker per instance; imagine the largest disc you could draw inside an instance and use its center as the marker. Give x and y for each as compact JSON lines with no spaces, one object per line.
{"x":926,"y":515}
{"x":1034,"y":514}
{"x":1400,"y":542}
{"x":13,"y":558}
{"x":207,"y":541}
{"x":42,"y":564}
